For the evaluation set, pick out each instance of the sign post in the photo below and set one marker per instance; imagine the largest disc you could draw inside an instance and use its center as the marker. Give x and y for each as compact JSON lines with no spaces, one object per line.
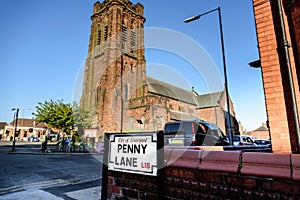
{"x":139,"y":153}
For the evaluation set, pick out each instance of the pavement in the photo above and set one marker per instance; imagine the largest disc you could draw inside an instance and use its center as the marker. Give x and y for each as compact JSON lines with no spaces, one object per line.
{"x":45,"y":191}
{"x":58,"y":188}
{"x":41,"y":194}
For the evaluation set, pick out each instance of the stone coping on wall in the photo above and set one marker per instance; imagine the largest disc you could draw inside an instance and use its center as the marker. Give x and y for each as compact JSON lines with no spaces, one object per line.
{"x":286,"y":166}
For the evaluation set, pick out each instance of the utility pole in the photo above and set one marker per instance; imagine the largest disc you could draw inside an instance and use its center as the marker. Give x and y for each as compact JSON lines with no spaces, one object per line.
{"x":15,"y":131}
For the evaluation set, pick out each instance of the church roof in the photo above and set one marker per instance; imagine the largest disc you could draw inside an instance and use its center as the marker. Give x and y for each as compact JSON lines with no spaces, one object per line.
{"x":263,"y":127}
{"x":165,"y":89}
{"x":209,"y":100}
{"x":177,"y":115}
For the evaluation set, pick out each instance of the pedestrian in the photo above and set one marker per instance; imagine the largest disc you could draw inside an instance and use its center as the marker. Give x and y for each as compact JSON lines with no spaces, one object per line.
{"x":44,"y":145}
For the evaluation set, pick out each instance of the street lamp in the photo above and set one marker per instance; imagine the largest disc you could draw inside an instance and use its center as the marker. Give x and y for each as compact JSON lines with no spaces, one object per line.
{"x":224,"y":64}
{"x":15,"y":131}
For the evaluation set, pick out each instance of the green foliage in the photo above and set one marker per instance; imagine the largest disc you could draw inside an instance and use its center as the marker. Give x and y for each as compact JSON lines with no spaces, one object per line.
{"x":82,"y":117}
{"x":56,"y":114}
{"x":62,"y":116}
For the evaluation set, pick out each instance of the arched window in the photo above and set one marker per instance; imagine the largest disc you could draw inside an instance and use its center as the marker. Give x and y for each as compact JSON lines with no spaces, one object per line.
{"x":99,"y":35}
{"x":131,"y":68}
{"x":127,"y":91}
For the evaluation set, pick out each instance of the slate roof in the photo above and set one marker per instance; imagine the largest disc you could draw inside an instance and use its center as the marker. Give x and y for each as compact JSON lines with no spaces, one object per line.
{"x":165,"y":89}
{"x":262,"y":128}
{"x":25,"y":122}
{"x":176,"y":115}
{"x":209,"y":100}
{"x":2,"y":125}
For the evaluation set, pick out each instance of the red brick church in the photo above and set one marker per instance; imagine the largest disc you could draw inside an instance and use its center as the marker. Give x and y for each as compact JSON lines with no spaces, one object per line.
{"x":116,"y":86}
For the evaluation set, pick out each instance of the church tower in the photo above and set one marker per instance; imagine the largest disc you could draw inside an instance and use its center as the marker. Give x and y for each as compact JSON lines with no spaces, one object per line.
{"x":115,"y":68}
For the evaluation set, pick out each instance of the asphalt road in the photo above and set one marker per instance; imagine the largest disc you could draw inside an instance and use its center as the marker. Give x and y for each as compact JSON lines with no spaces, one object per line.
{"x":28,"y":174}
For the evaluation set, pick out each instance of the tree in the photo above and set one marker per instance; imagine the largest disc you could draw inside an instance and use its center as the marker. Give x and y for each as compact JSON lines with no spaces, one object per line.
{"x":83,"y":118}
{"x":62,"y":116}
{"x":56,"y":114}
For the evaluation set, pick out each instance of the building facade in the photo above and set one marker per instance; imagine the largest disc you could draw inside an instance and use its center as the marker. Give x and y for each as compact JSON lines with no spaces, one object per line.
{"x":116,"y":87}
{"x":278,"y":36}
{"x":261,"y":133}
{"x":213,"y":108}
{"x":25,"y":128}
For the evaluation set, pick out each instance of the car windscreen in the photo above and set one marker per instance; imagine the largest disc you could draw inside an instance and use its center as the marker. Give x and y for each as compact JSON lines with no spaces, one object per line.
{"x":212,"y":129}
{"x":173,"y":128}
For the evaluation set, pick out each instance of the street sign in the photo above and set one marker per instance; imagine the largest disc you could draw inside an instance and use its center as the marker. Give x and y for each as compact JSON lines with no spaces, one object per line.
{"x":133,"y":153}
{"x":136,"y":153}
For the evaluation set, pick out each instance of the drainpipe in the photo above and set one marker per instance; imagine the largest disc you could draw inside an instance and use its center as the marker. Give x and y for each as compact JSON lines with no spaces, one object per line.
{"x":286,"y":46}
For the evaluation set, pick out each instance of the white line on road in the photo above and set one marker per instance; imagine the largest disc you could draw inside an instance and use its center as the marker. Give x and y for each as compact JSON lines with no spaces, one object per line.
{"x":93,"y":193}
{"x":36,"y":185}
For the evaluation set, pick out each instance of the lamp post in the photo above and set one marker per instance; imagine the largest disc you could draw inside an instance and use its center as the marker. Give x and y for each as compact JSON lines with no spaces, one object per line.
{"x":224,"y":64}
{"x":15,"y":131}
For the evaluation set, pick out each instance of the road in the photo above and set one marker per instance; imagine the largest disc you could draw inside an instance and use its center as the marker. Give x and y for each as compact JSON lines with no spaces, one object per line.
{"x":28,"y":174}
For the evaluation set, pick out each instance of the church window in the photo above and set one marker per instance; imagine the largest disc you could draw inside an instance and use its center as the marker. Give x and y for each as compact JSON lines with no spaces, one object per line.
{"x":97,"y":94}
{"x":127,"y":91}
{"x":99,"y":37}
{"x":105,"y":33}
{"x":124,"y":33}
{"x":181,"y":109}
{"x":130,"y":123}
{"x":131,"y":68}
{"x":132,"y":40}
{"x":124,"y":36}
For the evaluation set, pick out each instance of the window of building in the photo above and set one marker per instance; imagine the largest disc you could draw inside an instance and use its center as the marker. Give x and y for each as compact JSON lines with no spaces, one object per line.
{"x":124,"y":36}
{"x":127,"y":91}
{"x":99,"y":37}
{"x":181,"y":109}
{"x":130,"y":123}
{"x":131,"y":68}
{"x":132,"y":40}
{"x":124,"y":33}
{"x":105,"y":33}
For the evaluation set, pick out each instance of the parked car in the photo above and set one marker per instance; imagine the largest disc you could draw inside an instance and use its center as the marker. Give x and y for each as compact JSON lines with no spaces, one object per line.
{"x":194,"y":133}
{"x":239,"y":140}
{"x":263,"y":142}
{"x":33,"y":139}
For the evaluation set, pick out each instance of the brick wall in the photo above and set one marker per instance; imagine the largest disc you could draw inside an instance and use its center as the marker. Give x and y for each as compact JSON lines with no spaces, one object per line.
{"x":214,"y":115}
{"x":275,"y":74}
{"x":202,"y":174}
{"x":217,"y":115}
{"x":262,"y":135}
{"x":292,"y":8}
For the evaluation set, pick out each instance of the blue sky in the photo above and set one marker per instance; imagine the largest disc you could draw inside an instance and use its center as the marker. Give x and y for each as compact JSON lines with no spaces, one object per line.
{"x":44,"y":45}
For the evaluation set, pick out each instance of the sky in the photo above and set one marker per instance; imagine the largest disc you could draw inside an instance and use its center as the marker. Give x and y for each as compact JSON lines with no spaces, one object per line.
{"x":44,"y":44}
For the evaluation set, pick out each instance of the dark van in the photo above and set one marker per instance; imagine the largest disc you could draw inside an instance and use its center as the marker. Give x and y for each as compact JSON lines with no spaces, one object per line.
{"x":194,"y":133}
